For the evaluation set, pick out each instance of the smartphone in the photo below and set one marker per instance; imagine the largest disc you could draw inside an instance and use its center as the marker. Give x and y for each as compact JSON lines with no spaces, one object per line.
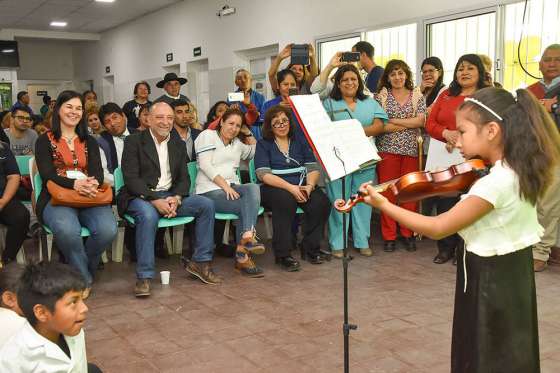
{"x":236,"y":96}
{"x":300,"y":54}
{"x":350,"y":57}
{"x":293,"y":92}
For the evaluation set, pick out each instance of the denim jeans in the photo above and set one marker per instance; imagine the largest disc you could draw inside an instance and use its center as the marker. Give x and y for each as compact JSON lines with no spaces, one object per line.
{"x":246,"y":207}
{"x":146,"y":218}
{"x":66,"y":224}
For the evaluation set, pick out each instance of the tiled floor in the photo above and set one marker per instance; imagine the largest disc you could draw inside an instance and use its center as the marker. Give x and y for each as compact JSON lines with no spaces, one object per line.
{"x":291,"y":322}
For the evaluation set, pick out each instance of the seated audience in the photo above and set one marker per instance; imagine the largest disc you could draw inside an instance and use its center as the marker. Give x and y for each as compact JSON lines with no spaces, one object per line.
{"x":182,"y":126}
{"x":215,"y":112}
{"x":90,"y":99}
{"x":304,"y":74}
{"x":13,"y":214}
{"x":22,"y":137}
{"x":6,"y":120}
{"x":95,"y":128}
{"x":398,"y":145}
{"x":348,"y":100}
{"x":11,"y":316}
{"x":50,"y":296}
{"x":156,"y":184}
{"x":141,"y":99}
{"x":46,"y":105}
{"x":219,"y":153}
{"x":70,"y":158}
{"x":112,"y":140}
{"x":143,"y":116}
{"x":22,"y":102}
{"x":171,"y":84}
{"x":290,"y":174}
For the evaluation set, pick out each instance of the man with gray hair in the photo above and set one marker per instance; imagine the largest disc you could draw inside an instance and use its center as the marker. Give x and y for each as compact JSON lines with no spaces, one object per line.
{"x":548,"y":207}
{"x":157,"y":185}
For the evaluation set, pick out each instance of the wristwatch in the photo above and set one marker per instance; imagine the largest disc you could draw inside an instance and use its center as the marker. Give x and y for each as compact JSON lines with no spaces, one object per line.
{"x":179,"y":200}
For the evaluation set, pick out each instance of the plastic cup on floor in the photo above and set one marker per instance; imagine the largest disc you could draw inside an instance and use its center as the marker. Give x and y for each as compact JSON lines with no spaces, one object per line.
{"x":165,"y":277}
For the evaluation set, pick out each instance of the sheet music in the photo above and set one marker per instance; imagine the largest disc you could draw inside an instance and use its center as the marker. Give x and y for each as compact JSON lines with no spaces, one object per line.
{"x":345,"y":139}
{"x":439,"y":158}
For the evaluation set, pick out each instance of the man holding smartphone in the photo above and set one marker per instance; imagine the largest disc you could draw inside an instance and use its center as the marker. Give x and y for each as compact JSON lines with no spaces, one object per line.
{"x":366,"y":63}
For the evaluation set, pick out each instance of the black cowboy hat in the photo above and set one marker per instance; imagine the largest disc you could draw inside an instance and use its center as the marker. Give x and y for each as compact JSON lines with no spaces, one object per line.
{"x":169,"y":77}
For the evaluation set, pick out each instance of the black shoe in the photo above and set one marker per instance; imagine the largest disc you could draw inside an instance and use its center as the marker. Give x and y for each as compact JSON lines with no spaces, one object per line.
{"x":315,"y":258}
{"x":409,"y":243}
{"x":442,"y":257}
{"x":389,"y":246}
{"x":288,"y":263}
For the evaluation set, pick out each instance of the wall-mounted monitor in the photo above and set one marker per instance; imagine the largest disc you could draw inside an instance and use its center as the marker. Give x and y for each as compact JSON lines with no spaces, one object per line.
{"x":9,"y":56}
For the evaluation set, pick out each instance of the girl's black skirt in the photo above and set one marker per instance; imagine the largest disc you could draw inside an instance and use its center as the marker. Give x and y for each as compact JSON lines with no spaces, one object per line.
{"x":495,"y":328}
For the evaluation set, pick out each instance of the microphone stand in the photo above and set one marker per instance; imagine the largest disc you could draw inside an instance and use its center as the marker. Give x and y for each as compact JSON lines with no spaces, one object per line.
{"x":346,"y":327}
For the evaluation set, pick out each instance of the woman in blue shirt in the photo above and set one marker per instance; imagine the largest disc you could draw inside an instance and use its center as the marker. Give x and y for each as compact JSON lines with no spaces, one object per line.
{"x":286,"y":82}
{"x":346,"y":101}
{"x":290,"y":173}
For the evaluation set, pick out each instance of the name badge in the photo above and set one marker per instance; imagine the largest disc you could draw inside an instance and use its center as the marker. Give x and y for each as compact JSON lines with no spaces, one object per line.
{"x":75,"y":174}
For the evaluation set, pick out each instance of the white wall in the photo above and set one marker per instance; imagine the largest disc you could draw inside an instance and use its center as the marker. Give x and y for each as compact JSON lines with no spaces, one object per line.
{"x":45,"y":60}
{"x":137,"y":50}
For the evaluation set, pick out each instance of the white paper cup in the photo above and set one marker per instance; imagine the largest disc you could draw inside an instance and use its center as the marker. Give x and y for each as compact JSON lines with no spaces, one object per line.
{"x":165,"y":277}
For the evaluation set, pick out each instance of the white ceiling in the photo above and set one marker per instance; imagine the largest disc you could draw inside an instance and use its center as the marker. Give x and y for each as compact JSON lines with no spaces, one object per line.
{"x":81,"y":15}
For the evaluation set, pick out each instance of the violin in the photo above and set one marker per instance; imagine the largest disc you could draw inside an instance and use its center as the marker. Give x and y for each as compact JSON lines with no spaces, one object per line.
{"x":419,"y":185}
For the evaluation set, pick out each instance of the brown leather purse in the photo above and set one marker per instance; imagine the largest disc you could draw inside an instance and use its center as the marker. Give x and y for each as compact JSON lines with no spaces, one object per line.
{"x":61,"y":196}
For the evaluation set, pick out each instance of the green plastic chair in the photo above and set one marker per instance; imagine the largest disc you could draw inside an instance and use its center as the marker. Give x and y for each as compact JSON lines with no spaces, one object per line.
{"x":176,"y":223}
{"x":193,"y":171}
{"x":46,"y":232}
{"x":23,"y":163}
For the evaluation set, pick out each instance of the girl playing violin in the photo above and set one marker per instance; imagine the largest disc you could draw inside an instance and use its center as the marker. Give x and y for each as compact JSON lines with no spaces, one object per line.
{"x":495,"y":319}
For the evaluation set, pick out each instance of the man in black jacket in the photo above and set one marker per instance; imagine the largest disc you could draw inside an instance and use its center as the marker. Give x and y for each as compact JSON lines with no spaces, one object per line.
{"x":156,"y":185}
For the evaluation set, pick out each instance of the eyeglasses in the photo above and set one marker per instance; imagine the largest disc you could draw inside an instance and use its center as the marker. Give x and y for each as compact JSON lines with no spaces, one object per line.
{"x":22,"y":118}
{"x":429,"y":71}
{"x":551,"y":59}
{"x":281,"y":123}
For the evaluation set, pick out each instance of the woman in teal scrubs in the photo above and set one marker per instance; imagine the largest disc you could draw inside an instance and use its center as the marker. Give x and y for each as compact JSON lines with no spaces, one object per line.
{"x":348,"y":101}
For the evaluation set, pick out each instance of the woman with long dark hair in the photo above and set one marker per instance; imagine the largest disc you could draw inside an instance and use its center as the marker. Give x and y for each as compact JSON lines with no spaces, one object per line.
{"x":432,"y":79}
{"x":69,"y":157}
{"x":468,"y":77}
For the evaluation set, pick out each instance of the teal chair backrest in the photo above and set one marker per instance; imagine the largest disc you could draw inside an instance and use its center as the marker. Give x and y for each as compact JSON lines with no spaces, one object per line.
{"x":118,"y":179}
{"x":37,"y":185}
{"x":252,"y":173}
{"x":23,"y":163}
{"x":192,"y":167}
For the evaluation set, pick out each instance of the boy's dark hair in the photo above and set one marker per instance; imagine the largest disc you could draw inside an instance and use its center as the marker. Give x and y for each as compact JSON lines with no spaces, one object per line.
{"x":530,"y":138}
{"x":454,"y":87}
{"x":9,"y":279}
{"x":179,"y":102}
{"x":267,"y":133}
{"x":108,"y":109}
{"x":47,"y":100}
{"x":21,"y":94}
{"x":45,"y":283}
{"x":364,"y":47}
{"x":24,"y":109}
